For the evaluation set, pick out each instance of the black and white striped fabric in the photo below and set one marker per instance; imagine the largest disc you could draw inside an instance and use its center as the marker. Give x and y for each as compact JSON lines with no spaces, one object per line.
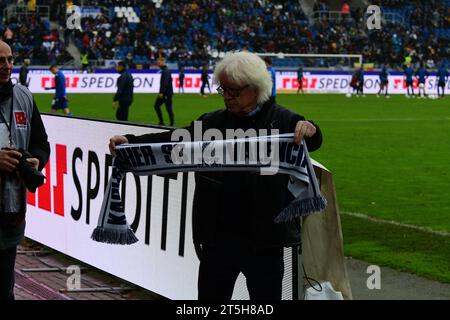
{"x":267,"y":155}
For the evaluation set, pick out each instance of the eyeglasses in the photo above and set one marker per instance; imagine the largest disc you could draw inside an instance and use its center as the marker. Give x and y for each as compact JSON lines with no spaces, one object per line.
{"x":233,"y":92}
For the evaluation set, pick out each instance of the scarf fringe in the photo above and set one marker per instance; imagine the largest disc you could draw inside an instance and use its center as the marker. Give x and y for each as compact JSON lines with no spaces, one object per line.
{"x":114,"y":236}
{"x":301,"y":208}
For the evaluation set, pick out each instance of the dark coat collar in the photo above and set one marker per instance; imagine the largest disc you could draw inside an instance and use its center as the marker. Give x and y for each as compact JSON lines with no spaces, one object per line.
{"x":6,"y":91}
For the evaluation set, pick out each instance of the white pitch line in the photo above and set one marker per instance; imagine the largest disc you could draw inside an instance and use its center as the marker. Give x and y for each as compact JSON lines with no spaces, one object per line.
{"x":395,"y":223}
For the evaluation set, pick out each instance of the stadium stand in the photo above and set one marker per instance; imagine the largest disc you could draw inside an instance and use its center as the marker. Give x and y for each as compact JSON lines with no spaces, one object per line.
{"x":190,"y":32}
{"x":31,"y":36}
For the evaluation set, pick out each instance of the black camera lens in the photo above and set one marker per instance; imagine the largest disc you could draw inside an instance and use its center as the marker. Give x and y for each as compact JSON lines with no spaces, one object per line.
{"x":32,"y":178}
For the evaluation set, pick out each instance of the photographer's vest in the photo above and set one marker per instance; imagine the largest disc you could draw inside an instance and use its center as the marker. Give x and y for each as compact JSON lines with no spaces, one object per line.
{"x":12,"y":189}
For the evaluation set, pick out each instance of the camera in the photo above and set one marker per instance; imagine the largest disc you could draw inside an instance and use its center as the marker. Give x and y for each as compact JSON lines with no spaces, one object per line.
{"x":32,"y":177}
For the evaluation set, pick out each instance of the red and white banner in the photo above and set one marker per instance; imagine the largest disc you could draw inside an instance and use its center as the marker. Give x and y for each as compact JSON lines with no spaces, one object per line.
{"x":321,"y":82}
{"x":64,"y":211}
{"x":107,"y":82}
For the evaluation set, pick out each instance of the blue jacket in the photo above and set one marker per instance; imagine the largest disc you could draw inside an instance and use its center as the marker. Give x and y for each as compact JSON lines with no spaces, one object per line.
{"x":60,"y":85}
{"x":409,"y":72}
{"x":442,"y":74}
{"x":422,"y":74}
{"x":384,"y":74}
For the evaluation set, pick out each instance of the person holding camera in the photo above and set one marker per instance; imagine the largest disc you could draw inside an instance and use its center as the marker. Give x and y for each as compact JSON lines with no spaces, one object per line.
{"x":24,"y":151}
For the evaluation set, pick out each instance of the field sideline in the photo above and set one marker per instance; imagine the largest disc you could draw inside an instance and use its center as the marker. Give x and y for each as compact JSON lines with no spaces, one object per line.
{"x":390,"y":159}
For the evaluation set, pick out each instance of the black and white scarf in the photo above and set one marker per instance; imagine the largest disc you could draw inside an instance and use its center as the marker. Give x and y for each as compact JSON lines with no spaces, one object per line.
{"x":267,"y":155}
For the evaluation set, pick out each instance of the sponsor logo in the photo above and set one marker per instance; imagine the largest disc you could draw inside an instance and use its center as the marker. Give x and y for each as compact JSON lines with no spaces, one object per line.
{"x":21,"y":119}
{"x":53,"y":197}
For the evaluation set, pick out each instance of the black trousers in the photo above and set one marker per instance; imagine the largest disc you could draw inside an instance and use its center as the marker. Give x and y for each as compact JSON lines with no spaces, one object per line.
{"x":122,"y":111}
{"x":220,"y":267}
{"x":7,"y":262}
{"x":202,"y":88}
{"x":360,"y":88}
{"x":167,"y":100}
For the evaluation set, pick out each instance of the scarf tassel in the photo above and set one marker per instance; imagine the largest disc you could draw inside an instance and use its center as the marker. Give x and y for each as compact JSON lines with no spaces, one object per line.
{"x":114,"y":236}
{"x":301,"y":208}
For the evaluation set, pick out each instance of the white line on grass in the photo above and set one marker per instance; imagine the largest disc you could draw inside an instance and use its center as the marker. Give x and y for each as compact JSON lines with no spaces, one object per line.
{"x":395,"y":223}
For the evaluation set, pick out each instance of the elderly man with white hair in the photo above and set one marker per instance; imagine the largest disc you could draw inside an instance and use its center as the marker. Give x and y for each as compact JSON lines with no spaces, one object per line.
{"x":233,"y":212}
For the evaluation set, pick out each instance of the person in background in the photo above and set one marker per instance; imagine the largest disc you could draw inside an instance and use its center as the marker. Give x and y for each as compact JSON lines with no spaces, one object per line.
{"x":23,"y":75}
{"x":384,"y":81}
{"x":124,"y":94}
{"x":409,"y":73}
{"x":354,"y":82}
{"x":84,"y":61}
{"x":271,"y":71}
{"x":205,"y":80}
{"x":422,"y":75}
{"x":181,"y":76}
{"x":61,"y":100}
{"x":345,"y":9}
{"x":300,"y":79}
{"x":165,"y":93}
{"x":360,"y":88}
{"x":442,"y":77}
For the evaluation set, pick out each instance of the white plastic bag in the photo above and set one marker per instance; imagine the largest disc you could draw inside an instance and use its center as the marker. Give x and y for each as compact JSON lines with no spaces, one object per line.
{"x":326,"y":292}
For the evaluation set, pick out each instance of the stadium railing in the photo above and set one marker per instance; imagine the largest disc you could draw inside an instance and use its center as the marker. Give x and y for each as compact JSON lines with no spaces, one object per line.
{"x":393,"y":17}
{"x":17,"y":10}
{"x":328,"y":61}
{"x":330,"y":16}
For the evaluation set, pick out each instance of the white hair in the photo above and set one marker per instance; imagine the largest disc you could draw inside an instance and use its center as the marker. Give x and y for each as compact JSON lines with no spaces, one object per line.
{"x":245,"y":68}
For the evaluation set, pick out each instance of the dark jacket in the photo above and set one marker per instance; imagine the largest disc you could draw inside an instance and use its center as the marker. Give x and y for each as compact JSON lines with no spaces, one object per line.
{"x":125,"y":88}
{"x":23,"y":76}
{"x":239,"y":207}
{"x":12,"y":226}
{"x":204,"y":75}
{"x":165,"y":85}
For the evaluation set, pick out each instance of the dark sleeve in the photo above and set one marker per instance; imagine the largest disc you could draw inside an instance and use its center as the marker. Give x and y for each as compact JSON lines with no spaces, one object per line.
{"x":313,"y":143}
{"x":160,"y":136}
{"x":130,"y":83}
{"x":150,"y":137}
{"x":120,"y":88}
{"x":23,"y":76}
{"x":163,"y":82}
{"x":38,"y":146}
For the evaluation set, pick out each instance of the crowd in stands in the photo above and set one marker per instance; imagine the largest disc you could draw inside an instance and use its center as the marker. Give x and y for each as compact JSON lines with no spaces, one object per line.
{"x":31,"y":37}
{"x":191,"y":32}
{"x":420,"y":38}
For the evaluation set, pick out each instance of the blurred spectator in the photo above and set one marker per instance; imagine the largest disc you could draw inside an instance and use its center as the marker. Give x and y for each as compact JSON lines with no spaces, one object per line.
{"x":199,"y":31}
{"x":205,"y":80}
{"x":196,"y":32}
{"x":9,"y":36}
{"x":345,"y":9}
{"x":23,"y":75}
